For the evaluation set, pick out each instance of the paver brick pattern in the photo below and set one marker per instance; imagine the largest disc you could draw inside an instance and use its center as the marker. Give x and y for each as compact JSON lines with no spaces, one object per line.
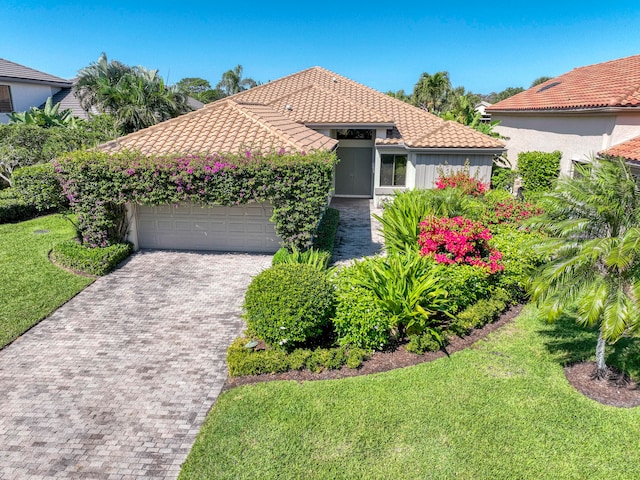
{"x":117,"y":382}
{"x":358,"y":234}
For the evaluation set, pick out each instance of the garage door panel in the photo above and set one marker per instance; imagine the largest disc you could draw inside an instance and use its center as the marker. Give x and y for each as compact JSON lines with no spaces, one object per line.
{"x":193,"y":227}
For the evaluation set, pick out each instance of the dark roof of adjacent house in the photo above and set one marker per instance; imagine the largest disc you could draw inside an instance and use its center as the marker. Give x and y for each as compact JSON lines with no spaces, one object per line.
{"x":68,"y":101}
{"x":11,"y":71}
{"x":629,"y":150}
{"x":278,"y":114}
{"x":613,"y":84}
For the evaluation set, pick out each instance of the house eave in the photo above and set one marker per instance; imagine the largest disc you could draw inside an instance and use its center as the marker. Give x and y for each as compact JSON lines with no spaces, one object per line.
{"x":458,"y":151}
{"x":566,"y":111}
{"x":35,"y":82}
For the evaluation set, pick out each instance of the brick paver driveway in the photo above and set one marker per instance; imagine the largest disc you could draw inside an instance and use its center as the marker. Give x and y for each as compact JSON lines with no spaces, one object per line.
{"x":117,"y":382}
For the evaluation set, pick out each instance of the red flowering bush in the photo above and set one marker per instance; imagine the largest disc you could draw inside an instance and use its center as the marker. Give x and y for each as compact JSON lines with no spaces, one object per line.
{"x":510,"y":211}
{"x":462,"y":180}
{"x":458,"y":240}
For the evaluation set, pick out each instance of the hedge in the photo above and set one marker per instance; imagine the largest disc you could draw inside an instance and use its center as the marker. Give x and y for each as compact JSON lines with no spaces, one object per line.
{"x":94,"y":261}
{"x":13,"y":208}
{"x":38,"y":185}
{"x":539,"y":170}
{"x":98,"y":185}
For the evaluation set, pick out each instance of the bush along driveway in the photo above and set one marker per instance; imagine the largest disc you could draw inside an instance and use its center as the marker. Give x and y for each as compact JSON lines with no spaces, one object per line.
{"x":117,"y":382}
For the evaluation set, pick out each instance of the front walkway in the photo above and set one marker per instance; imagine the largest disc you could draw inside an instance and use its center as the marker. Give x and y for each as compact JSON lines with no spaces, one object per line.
{"x":358,"y":233}
{"x":117,"y":382}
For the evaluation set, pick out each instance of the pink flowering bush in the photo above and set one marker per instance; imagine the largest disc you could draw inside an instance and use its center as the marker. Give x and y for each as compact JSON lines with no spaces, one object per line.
{"x":458,"y":240}
{"x":98,"y":186}
{"x":462,"y":180}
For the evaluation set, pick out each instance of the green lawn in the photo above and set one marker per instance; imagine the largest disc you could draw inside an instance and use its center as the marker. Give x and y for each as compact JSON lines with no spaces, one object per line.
{"x":31,"y":287}
{"x":500,"y":410}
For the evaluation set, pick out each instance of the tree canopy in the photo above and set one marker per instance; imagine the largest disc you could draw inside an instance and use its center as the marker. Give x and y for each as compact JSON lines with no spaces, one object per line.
{"x":232,"y":82}
{"x":200,"y":89}
{"x":135,"y":96}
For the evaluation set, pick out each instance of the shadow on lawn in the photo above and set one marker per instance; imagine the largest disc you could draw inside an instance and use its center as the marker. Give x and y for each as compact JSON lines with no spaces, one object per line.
{"x":572,"y":343}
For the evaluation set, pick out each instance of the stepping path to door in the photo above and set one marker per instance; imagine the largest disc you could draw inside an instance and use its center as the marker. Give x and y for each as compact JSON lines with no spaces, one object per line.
{"x":117,"y":382}
{"x":358,"y":233}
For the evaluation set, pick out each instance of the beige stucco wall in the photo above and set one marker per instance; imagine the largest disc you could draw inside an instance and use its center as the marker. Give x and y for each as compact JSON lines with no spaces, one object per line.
{"x":25,"y":96}
{"x":578,"y":137}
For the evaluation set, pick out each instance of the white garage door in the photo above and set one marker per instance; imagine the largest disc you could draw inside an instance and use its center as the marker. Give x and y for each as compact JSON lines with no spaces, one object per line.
{"x":243,"y":228}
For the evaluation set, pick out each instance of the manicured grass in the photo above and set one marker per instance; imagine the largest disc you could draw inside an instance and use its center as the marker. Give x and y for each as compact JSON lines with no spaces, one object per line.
{"x":500,"y":410}
{"x":31,"y":287}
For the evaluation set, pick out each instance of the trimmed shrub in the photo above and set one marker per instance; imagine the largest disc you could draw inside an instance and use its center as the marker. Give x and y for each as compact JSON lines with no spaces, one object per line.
{"x":430,"y":341}
{"x":13,"y":208}
{"x":502,"y":208}
{"x":479,"y":314}
{"x":39,"y":186}
{"x":288,"y":304}
{"x":461,"y":179}
{"x":465,"y":284}
{"x":539,"y":171}
{"x":359,"y":320}
{"x":94,"y":261}
{"x":246,"y":361}
{"x":502,"y":178}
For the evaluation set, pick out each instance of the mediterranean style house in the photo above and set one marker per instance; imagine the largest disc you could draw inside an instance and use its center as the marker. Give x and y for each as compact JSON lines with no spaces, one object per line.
{"x":581,"y":113}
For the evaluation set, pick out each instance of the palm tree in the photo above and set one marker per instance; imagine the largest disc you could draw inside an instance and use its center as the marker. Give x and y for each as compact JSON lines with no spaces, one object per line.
{"x":135,"y":96}
{"x":593,"y":222}
{"x":433,"y":92}
{"x":232,"y":82}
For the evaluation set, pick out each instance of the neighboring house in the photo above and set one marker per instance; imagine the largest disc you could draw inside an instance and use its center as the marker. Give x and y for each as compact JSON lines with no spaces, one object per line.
{"x":629,"y":150}
{"x":22,"y":88}
{"x":580,"y":113}
{"x":481,"y":108}
{"x":383,"y":145}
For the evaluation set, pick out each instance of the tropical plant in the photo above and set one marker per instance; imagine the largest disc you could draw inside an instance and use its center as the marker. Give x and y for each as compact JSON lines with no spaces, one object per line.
{"x":593,"y":223}
{"x":46,"y":117}
{"x":135,"y":96}
{"x":199,"y":88}
{"x":406,"y":289}
{"x":232,"y":82}
{"x":433,"y":92}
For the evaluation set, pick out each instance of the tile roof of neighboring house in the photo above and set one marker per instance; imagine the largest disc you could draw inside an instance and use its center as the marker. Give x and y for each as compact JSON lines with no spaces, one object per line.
{"x":276,"y":115}
{"x":614,"y":84}
{"x":224,"y":126}
{"x":16,"y":72}
{"x":629,"y":150}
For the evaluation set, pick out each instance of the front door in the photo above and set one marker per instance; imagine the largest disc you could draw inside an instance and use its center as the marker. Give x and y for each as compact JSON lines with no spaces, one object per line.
{"x":354,"y":172}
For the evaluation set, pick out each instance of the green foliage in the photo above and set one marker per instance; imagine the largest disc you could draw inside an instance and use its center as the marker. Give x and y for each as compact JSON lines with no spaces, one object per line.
{"x":480,"y":313}
{"x":289,"y":304}
{"x":316,"y":258}
{"x":246,"y":361}
{"x":326,"y":233}
{"x":22,"y":144}
{"x":429,"y":341}
{"x":199,"y":88}
{"x":519,"y":257}
{"x":297,"y":185}
{"x":359,"y":320}
{"x":502,"y":178}
{"x":464,"y":284}
{"x":593,"y":223}
{"x":232,"y":82}
{"x":539,"y":171}
{"x":402,"y":216}
{"x":405,"y":288}
{"x":94,"y":261}
{"x":13,"y":208}
{"x":38,"y":185}
{"x":46,"y":117}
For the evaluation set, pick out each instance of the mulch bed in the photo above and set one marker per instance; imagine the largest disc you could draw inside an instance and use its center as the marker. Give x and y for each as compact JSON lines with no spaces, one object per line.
{"x":381,"y":361}
{"x":616,"y":390}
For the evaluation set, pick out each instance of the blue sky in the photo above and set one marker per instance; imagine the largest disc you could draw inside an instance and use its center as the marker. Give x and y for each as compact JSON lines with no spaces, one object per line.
{"x":485,"y":46}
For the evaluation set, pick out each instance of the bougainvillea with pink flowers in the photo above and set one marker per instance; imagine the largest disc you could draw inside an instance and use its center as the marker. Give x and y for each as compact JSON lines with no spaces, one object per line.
{"x":458,"y":240}
{"x":462,"y":180}
{"x":510,"y":211}
{"x":99,"y":185}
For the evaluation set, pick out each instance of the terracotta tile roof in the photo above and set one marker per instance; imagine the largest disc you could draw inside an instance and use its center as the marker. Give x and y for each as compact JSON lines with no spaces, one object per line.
{"x":16,"y":72}
{"x":276,"y":114}
{"x":337,"y":99}
{"x":609,"y":84}
{"x":224,"y":126}
{"x":629,"y":150}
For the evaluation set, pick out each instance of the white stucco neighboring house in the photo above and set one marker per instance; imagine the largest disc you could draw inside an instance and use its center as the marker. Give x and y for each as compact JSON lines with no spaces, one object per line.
{"x":580,"y":113}
{"x":22,"y":88}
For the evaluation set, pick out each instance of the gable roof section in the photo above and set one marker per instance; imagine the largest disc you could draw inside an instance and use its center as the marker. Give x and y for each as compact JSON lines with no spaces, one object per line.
{"x":224,"y":126}
{"x":335,"y":99}
{"x":68,"y":100}
{"x":11,"y":71}
{"x":277,"y":115}
{"x":613,"y":84}
{"x":629,"y":150}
